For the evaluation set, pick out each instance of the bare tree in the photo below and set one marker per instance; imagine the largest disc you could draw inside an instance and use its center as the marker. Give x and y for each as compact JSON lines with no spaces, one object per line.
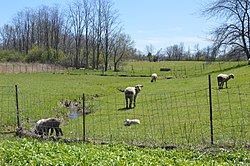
{"x":175,"y":52}
{"x":235,"y":30}
{"x":87,"y":22}
{"x":90,"y":27}
{"x":150,"y":49}
{"x":110,"y":26}
{"x":76,"y":16}
{"x":122,"y":46}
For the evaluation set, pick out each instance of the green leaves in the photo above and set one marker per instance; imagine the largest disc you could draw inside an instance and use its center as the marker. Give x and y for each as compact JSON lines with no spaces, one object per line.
{"x":33,"y":152}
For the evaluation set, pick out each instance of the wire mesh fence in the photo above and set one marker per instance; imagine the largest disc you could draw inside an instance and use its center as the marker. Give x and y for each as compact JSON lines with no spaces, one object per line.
{"x":178,"y":69}
{"x":231,"y":109}
{"x":164,"y":119}
{"x":180,"y":117}
{"x":7,"y":109}
{"x":67,"y":108}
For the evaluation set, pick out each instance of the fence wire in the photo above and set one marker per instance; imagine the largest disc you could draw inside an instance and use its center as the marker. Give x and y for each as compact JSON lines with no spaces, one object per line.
{"x":177,"y":118}
{"x":7,"y":109}
{"x":180,"y":117}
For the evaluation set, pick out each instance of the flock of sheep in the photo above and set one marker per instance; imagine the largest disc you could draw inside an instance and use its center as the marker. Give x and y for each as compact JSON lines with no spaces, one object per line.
{"x":43,"y":126}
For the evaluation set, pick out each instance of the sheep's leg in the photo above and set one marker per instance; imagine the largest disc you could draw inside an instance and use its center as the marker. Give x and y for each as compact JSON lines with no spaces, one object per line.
{"x":134,"y":101}
{"x":226,"y":84}
{"x":130,"y":103}
{"x":126,"y":102}
{"x":52,"y":131}
{"x":60,"y":130}
{"x":57,"y":131}
{"x":46,"y":131}
{"x":222,"y":84}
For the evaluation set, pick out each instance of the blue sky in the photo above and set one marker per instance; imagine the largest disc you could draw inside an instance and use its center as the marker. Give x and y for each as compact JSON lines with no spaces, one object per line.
{"x":161,"y":23}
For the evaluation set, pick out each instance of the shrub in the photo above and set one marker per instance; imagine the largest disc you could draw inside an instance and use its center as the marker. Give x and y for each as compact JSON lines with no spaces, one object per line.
{"x":11,"y":56}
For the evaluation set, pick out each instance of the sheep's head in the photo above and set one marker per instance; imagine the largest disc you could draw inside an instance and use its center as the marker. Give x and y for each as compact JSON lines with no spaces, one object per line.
{"x":127,"y":120}
{"x":138,"y":88}
{"x":231,"y":76}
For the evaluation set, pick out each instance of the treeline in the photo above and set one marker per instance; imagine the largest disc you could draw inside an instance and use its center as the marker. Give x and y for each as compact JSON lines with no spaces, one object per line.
{"x":85,"y":34}
{"x":179,"y":53}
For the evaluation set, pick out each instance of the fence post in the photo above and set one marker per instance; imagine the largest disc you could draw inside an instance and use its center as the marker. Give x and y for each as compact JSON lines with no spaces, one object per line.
{"x":17,"y":108}
{"x":83,"y":120}
{"x":211,"y":109}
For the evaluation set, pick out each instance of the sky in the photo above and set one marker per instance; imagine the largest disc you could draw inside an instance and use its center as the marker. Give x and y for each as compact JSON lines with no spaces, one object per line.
{"x":160,"y":23}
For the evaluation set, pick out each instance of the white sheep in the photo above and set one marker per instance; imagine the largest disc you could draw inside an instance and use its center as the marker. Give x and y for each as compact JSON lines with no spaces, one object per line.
{"x":43,"y":126}
{"x":221,"y":78}
{"x":153,"y":77}
{"x":131,"y":94}
{"x":131,"y":122}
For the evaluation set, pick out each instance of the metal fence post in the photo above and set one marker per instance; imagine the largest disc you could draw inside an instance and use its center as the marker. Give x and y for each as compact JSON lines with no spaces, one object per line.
{"x":17,"y":108}
{"x":83,"y":120}
{"x":211,"y":109}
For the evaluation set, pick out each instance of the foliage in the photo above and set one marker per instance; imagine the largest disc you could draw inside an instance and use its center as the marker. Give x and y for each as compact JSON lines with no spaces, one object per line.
{"x":11,"y":56}
{"x":23,"y":151}
{"x":40,"y":54}
{"x":35,"y":55}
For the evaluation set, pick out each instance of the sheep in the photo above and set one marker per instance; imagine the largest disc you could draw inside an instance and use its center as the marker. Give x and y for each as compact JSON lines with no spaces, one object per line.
{"x":131,"y":122}
{"x":221,"y":78}
{"x":43,"y":125}
{"x":153,"y":77}
{"x":131,"y":94}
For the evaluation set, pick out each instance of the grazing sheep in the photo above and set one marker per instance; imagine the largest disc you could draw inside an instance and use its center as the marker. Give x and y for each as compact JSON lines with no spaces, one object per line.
{"x":131,"y":122}
{"x":43,"y":125}
{"x":153,"y":77}
{"x":131,"y":94}
{"x":221,"y":78}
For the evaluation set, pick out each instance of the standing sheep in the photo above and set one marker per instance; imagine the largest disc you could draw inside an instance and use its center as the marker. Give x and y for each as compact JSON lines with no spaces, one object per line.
{"x":43,"y":125}
{"x":153,"y":77}
{"x":221,"y":78}
{"x":131,"y":94}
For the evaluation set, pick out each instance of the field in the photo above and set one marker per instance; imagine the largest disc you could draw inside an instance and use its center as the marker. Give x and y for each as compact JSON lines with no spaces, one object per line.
{"x":168,"y":109}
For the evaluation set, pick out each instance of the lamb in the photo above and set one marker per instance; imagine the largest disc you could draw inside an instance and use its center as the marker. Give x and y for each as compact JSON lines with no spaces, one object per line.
{"x":131,"y":94}
{"x":43,"y":125}
{"x":131,"y":122}
{"x":153,"y":77}
{"x":221,"y":78}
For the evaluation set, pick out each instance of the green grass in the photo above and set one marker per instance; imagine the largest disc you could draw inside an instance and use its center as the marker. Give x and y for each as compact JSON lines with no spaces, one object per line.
{"x":34,"y":152}
{"x":177,"y":108}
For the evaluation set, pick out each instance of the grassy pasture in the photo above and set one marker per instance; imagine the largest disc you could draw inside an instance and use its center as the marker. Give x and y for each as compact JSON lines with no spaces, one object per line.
{"x":168,"y":108}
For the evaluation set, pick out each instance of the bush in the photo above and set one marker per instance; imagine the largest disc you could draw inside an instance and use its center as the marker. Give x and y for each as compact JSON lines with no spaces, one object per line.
{"x":35,"y":55}
{"x":11,"y":56}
